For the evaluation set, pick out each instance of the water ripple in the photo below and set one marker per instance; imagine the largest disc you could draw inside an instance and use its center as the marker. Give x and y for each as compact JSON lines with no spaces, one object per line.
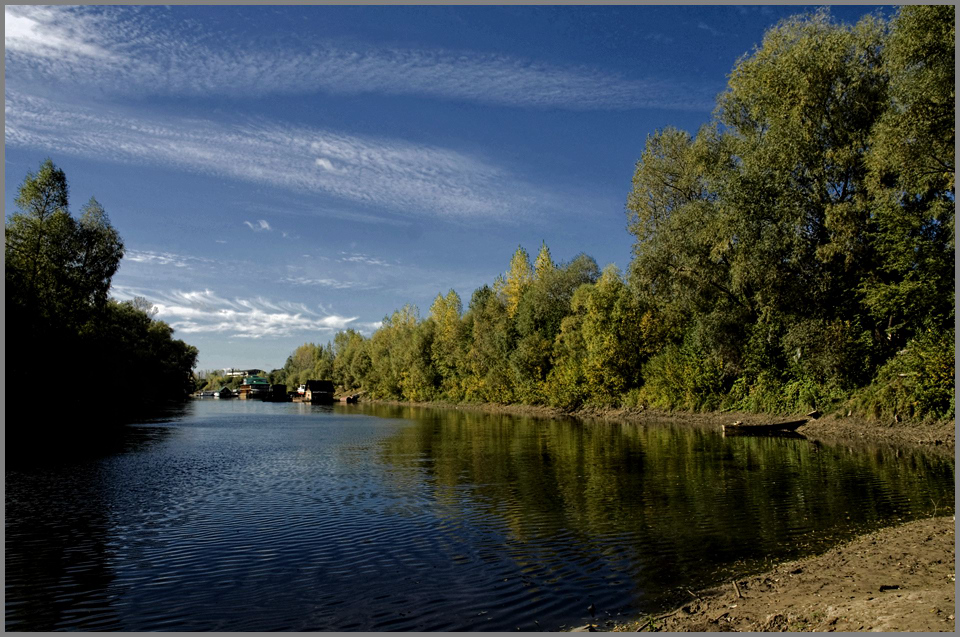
{"x":237,"y":517}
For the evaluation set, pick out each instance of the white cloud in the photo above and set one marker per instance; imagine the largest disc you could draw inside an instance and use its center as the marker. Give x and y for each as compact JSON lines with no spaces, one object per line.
{"x":161,"y":258}
{"x":328,"y":283}
{"x":382,"y":174}
{"x":165,"y":258}
{"x":368,"y":328}
{"x":123,"y":51}
{"x":709,"y":29}
{"x":363,"y":258}
{"x":56,"y":33}
{"x":260,"y":225}
{"x":326,"y":164}
{"x":204,"y":312}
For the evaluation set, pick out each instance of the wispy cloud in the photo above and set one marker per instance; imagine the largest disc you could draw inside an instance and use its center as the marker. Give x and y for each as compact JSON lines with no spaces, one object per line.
{"x":747,"y":10}
{"x":124,"y":51}
{"x":165,"y":258}
{"x":328,"y":283}
{"x":260,"y":225}
{"x":205,"y":312}
{"x":709,"y":29}
{"x":292,"y":206}
{"x":363,"y":258}
{"x":658,"y":37}
{"x":160,"y":258}
{"x":382,"y":174}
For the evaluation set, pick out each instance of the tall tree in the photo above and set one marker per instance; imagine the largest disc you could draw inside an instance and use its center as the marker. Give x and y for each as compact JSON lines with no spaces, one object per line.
{"x":543,"y":265}
{"x":58,"y":275}
{"x":518,"y":278}
{"x":492,"y":338}
{"x":912,"y":176}
{"x":57,"y":270}
{"x":449,"y":343}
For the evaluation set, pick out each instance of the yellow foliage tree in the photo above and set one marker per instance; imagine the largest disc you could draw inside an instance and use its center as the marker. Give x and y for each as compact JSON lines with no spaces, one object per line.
{"x":517,"y":280}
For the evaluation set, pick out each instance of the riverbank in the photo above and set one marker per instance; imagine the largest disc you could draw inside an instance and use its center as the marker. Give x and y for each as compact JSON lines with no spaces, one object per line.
{"x":896,"y":579}
{"x":938,"y":437}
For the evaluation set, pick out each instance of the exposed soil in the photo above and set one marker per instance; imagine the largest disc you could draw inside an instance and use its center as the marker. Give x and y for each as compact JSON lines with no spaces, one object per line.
{"x":896,"y":579}
{"x":938,"y":437}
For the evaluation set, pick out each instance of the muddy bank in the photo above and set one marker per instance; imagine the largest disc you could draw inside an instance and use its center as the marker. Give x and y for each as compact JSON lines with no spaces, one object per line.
{"x":938,"y":437}
{"x":896,"y":579}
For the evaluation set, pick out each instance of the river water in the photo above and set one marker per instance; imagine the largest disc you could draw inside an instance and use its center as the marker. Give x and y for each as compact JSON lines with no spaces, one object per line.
{"x":241,"y":515}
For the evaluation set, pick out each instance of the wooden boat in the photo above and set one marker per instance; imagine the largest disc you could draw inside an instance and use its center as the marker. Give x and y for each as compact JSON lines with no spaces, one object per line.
{"x":779,"y":427}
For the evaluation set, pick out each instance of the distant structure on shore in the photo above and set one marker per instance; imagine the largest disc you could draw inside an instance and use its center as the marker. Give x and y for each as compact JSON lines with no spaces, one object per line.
{"x":230,"y":371}
{"x":319,"y":392}
{"x":254,"y":387}
{"x":258,"y":387}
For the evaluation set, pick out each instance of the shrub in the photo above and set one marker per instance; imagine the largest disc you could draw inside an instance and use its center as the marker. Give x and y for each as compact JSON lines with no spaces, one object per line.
{"x":918,"y":382}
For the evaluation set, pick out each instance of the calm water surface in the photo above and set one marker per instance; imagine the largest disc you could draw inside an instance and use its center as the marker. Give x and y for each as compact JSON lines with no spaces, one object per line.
{"x":238,"y":516}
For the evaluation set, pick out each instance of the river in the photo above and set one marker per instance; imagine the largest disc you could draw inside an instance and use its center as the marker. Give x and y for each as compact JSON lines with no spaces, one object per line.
{"x":249,"y":516}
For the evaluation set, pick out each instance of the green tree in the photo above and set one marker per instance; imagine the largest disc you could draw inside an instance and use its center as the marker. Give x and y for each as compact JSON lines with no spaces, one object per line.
{"x":487,"y":376}
{"x":299,"y":366}
{"x":542,"y":308}
{"x":348,"y":364}
{"x":323,"y":363}
{"x":400,"y":357}
{"x":912,"y":177}
{"x":544,"y":264}
{"x":758,"y":222}
{"x":58,"y":269}
{"x":58,"y":275}
{"x":449,"y":343}
{"x":601,"y":346}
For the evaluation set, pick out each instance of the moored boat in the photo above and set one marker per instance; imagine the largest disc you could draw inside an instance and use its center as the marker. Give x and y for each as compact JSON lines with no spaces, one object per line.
{"x":779,"y":427}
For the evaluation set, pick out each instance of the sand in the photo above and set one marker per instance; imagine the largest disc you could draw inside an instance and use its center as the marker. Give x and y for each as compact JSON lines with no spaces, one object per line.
{"x":896,"y":579}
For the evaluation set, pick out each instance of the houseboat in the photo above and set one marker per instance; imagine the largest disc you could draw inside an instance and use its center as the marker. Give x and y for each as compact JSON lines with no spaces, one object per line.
{"x":319,"y":392}
{"x":256,"y":387}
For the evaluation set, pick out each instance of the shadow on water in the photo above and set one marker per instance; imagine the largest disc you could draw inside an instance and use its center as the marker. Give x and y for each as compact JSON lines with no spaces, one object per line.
{"x":61,"y":526}
{"x":663,"y":507}
{"x":237,"y":516}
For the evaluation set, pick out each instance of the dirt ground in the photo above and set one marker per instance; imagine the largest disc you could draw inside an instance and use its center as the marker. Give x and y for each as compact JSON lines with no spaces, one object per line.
{"x":936,"y":437}
{"x":896,"y":579}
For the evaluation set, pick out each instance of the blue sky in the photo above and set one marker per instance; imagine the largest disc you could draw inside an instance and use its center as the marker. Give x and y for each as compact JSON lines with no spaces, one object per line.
{"x":280,"y":173}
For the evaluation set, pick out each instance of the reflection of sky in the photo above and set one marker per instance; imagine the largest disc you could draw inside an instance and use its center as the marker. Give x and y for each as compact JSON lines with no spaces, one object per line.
{"x":280,"y":173}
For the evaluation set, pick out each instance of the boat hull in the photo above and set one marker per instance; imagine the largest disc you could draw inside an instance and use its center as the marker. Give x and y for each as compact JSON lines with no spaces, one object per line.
{"x":773,"y":428}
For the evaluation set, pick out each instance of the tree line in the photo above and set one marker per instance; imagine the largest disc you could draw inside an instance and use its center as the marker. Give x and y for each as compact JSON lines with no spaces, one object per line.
{"x":62,"y":326}
{"x":796,"y":252}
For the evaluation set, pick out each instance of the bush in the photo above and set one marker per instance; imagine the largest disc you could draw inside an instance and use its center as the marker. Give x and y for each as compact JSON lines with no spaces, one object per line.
{"x":769,"y":394}
{"x":918,"y":382}
{"x":683,"y":378}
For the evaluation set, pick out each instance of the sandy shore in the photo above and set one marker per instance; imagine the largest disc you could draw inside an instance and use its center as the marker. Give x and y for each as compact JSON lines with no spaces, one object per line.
{"x":896,"y":579}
